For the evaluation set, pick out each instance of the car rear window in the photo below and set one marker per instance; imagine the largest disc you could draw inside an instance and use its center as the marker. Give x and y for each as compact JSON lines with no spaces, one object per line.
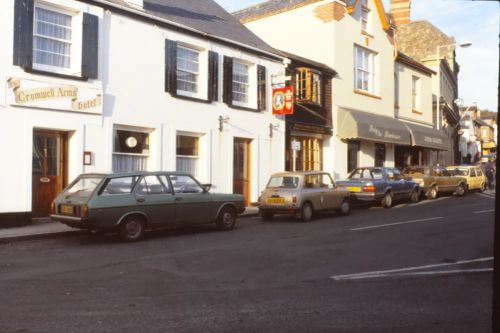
{"x":459,"y":171}
{"x":283,"y":182}
{"x":83,"y":187}
{"x":121,"y":185}
{"x":366,"y":174}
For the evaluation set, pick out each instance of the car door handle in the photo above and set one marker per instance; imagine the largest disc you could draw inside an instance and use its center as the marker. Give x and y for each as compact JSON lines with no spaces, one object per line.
{"x":141,"y":200}
{"x":178,"y":199}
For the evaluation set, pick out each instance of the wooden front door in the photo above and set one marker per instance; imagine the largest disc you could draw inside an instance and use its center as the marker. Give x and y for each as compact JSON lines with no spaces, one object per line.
{"x":48,"y":175}
{"x":241,"y":168}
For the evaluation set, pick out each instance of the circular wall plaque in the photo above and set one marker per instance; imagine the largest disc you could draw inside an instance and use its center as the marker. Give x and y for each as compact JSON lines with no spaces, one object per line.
{"x":131,"y":142}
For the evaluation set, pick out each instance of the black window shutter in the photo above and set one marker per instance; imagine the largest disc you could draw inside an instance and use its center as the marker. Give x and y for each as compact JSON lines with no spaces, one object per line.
{"x":23,"y":33}
{"x":171,"y":67}
{"x":90,"y":46}
{"x":261,"y":87}
{"x":213,"y":76}
{"x":228,"y":81}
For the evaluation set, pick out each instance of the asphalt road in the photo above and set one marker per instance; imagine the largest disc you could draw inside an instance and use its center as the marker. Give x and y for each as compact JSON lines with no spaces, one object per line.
{"x":278,"y":276}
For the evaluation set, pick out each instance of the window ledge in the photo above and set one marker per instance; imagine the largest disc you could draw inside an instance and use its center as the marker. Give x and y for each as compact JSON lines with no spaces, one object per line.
{"x":193,"y":99}
{"x":244,"y":108}
{"x":367,"y":34}
{"x":417,"y":112}
{"x":364,"y":93}
{"x":59,"y":75}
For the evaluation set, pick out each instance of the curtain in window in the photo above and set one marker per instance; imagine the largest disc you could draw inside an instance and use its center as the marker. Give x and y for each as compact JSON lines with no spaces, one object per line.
{"x":127,"y":163}
{"x":188,"y":165}
{"x":52,"y":38}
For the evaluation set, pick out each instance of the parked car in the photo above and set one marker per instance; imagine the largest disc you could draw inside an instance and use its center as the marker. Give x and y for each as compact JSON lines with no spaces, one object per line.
{"x":302,"y":194}
{"x":474,"y":176}
{"x":132,"y":202}
{"x":434,"y":180}
{"x":380,"y":184}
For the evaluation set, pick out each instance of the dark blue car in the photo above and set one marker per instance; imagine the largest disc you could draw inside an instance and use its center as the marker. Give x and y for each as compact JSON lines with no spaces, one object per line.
{"x":384,"y":185}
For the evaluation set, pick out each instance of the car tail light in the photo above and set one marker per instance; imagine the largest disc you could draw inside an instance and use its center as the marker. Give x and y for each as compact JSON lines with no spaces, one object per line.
{"x":53,"y":207}
{"x":84,"y":211}
{"x":369,"y":189}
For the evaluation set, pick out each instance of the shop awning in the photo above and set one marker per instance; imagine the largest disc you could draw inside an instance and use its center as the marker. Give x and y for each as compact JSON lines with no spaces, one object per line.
{"x":354,"y":124}
{"x":428,"y":137}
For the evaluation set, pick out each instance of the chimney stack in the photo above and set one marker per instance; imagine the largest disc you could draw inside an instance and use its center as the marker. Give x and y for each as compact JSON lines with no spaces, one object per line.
{"x":400,"y":12}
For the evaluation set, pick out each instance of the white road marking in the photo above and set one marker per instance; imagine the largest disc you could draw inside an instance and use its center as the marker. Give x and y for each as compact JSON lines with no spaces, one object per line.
{"x":484,"y":211}
{"x":489,"y":196}
{"x":399,"y":270}
{"x":396,"y":223}
{"x":430,"y":273}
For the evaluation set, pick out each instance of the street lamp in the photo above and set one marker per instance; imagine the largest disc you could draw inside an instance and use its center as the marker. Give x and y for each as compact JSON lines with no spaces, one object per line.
{"x":438,"y":60}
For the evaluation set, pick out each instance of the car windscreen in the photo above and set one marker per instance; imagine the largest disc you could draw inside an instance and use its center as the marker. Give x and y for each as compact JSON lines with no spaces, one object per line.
{"x":83,"y":187}
{"x":459,"y":171}
{"x":283,"y":182}
{"x":366,"y":174}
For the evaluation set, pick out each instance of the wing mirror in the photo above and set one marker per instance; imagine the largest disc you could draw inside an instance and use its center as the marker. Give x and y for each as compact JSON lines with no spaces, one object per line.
{"x":207,"y":187}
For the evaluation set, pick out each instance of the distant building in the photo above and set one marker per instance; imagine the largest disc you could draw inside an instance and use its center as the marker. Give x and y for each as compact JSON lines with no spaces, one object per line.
{"x":421,"y":41}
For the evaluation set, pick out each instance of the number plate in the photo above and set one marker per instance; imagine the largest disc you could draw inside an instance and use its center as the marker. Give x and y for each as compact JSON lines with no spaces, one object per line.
{"x":66,"y":209}
{"x":354,"y":189}
{"x":275,"y":201}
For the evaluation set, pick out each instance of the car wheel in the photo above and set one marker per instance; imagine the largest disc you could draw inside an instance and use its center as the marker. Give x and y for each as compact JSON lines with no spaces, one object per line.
{"x":432,"y":193}
{"x":387,"y":200}
{"x":414,"y":196}
{"x":482,"y":188}
{"x":132,"y":228}
{"x":306,"y":212}
{"x":266,"y":216}
{"x":345,"y":207}
{"x":460,"y":190}
{"x":226,"y":219}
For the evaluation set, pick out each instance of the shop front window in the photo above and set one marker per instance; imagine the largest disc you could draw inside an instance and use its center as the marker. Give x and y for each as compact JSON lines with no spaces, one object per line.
{"x":379,"y":154}
{"x":309,"y":157}
{"x":130,"y":151}
{"x":352,"y":155}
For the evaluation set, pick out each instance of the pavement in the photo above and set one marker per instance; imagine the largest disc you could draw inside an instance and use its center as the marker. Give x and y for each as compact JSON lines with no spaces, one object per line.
{"x":44,"y":228}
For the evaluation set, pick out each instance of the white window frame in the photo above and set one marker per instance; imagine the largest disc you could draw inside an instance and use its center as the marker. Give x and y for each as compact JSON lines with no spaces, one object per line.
{"x":365,"y":69}
{"x":146,"y":155}
{"x":415,"y":93}
{"x":75,"y":44}
{"x":365,"y":19}
{"x":201,"y":75}
{"x":193,"y":157}
{"x":251,"y":84}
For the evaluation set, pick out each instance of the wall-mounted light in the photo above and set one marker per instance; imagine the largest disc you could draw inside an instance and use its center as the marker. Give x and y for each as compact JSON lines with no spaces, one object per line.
{"x":272,"y":127}
{"x":223,"y":120}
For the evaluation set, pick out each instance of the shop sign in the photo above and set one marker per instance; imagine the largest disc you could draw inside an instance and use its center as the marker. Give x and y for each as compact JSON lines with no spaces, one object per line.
{"x":383,"y":133}
{"x":46,"y":95}
{"x":433,"y":140}
{"x":283,"y":100}
{"x":295,"y":145}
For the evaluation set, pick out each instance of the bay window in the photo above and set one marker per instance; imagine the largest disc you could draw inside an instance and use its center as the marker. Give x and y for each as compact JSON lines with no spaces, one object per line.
{"x":308,"y":86}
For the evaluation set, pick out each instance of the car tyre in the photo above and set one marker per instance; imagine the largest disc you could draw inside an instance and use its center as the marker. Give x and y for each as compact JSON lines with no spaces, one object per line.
{"x":432,"y":193}
{"x":414,"y":196}
{"x":266,"y":216}
{"x":461,"y":190}
{"x":226,"y":219}
{"x":132,"y":228}
{"x":387,"y":200}
{"x":482,"y":188}
{"x":306,"y":213}
{"x":345,"y":207}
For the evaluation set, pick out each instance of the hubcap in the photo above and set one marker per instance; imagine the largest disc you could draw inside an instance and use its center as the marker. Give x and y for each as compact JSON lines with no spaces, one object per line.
{"x":345,"y":207}
{"x":227,"y":219}
{"x":307,"y":212}
{"x":388,"y":200}
{"x":133,"y":228}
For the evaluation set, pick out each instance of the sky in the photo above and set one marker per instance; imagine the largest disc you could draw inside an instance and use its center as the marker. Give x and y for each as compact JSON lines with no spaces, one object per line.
{"x":468,"y":21}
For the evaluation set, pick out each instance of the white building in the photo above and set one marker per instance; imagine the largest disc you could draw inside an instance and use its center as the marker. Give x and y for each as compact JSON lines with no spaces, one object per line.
{"x":112,"y":85}
{"x":382,"y":101}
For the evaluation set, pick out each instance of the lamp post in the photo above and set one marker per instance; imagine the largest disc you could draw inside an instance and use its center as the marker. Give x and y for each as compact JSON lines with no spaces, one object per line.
{"x":438,"y":71}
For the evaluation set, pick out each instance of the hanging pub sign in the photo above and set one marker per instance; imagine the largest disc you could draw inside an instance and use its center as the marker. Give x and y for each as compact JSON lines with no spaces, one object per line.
{"x":283,"y":100}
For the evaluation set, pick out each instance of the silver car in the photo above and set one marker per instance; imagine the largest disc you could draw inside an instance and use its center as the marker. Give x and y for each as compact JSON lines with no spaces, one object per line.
{"x":302,"y":194}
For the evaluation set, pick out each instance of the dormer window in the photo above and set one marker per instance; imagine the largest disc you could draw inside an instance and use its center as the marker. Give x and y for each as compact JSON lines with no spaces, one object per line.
{"x":365,"y":19}
{"x":308,"y":86}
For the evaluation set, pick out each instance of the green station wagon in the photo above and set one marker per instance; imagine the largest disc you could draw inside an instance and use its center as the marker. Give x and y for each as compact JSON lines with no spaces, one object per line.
{"x":132,"y":202}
